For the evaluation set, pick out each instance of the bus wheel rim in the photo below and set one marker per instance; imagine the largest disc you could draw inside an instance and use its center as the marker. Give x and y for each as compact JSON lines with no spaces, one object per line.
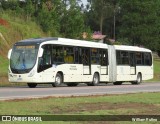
{"x":139,"y":79}
{"x":95,"y":79}
{"x":58,"y":80}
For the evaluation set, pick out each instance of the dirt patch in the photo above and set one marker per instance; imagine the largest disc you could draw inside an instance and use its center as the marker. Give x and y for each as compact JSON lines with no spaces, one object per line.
{"x":4,"y":22}
{"x":141,"y":108}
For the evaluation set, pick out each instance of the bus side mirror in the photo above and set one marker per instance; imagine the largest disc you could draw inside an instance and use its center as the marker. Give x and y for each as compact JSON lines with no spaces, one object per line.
{"x":9,"y":53}
{"x":40,"y":52}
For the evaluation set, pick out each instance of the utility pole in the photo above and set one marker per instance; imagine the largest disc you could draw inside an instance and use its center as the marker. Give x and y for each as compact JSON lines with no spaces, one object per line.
{"x":116,"y":10}
{"x":114,"y":28}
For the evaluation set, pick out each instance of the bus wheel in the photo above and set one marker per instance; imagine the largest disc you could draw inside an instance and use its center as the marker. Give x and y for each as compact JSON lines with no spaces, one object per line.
{"x":117,"y":83}
{"x":58,"y":80}
{"x":72,"y":84}
{"x":139,"y":79}
{"x":95,"y":80}
{"x":31,"y":85}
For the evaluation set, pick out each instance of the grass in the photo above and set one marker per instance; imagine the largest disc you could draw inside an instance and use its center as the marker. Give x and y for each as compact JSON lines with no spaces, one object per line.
{"x":157,"y":66}
{"x":156,"y":70}
{"x":112,"y":104}
{"x":3,"y":66}
{"x":126,"y":104}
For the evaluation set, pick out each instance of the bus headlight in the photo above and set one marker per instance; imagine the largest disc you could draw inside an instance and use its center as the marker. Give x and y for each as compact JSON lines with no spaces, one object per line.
{"x":31,"y":73}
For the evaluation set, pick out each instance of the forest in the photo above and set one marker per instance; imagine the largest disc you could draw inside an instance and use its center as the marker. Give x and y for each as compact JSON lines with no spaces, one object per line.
{"x":129,"y":22}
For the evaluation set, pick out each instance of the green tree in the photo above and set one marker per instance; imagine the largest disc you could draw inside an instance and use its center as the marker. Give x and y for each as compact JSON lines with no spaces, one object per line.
{"x":72,"y":21}
{"x":140,"y":22}
{"x":100,"y":10}
{"x":48,"y":17}
{"x":29,"y":9}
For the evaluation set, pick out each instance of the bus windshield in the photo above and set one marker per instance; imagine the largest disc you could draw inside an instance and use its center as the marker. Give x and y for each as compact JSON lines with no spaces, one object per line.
{"x":23,"y":58}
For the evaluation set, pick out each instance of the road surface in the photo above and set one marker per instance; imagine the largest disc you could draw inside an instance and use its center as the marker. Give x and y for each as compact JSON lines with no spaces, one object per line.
{"x":23,"y":92}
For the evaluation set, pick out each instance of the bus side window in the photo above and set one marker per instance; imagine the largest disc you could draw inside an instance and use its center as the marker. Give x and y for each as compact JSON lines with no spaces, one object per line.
{"x":95,"y":56}
{"x":76,"y":55}
{"x":47,"y":57}
{"x":147,"y":59}
{"x":57,"y":54}
{"x":122,"y":57}
{"x":45,"y":60}
{"x":68,"y":55}
{"x":118,"y":57}
{"x":85,"y":55}
{"x":125,"y":57}
{"x":132,"y":59}
{"x":139,"y":58}
{"x":103,"y":57}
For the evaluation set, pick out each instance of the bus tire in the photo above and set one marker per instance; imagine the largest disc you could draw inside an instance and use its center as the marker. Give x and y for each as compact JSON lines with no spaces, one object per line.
{"x":95,"y":80}
{"x":117,"y":83}
{"x":31,"y":85}
{"x":138,"y":80}
{"x":58,"y":80}
{"x":72,"y":84}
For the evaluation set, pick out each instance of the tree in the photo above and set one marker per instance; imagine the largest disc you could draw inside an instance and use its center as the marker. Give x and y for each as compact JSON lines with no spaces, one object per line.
{"x":48,"y":17}
{"x":100,"y":10}
{"x":140,"y":22}
{"x":29,"y":9}
{"x":72,"y":21}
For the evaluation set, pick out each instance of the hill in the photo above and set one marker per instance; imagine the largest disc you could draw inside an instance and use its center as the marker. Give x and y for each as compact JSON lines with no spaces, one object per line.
{"x":13,"y":29}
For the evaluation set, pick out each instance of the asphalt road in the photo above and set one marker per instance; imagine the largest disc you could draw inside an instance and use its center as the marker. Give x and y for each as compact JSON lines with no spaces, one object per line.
{"x":23,"y":92}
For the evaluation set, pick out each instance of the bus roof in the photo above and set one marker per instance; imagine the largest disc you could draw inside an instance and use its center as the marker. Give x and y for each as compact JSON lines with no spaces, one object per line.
{"x":63,"y":41}
{"x":131,"y":48}
{"x":82,"y":43}
{"x":74,"y":42}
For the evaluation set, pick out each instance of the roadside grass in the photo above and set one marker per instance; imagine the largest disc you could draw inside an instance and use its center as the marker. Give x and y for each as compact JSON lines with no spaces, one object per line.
{"x":3,"y":72}
{"x":3,"y":66}
{"x":156,"y":70}
{"x":141,"y":103}
{"x":124,"y":104}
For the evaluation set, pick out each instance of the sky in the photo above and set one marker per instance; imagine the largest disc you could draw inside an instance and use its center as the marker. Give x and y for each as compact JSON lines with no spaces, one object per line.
{"x":84,"y":2}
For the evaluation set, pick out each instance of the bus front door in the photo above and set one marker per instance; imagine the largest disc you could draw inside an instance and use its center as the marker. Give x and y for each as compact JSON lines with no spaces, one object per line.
{"x":132,"y":63}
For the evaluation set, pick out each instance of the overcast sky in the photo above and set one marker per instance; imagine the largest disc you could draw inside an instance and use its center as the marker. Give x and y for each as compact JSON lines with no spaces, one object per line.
{"x":84,"y":2}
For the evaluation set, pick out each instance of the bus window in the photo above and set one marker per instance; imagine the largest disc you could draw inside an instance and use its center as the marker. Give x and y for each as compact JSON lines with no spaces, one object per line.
{"x":47,"y":57}
{"x":147,"y":59}
{"x":57,"y":54}
{"x":139,"y":58}
{"x":68,"y":55}
{"x":45,"y":60}
{"x":104,"y":57}
{"x":76,"y":55}
{"x":118,"y":56}
{"x":132,"y":59}
{"x":85,"y":55}
{"x":94,"y":56}
{"x":125,"y":58}
{"x":122,"y":57}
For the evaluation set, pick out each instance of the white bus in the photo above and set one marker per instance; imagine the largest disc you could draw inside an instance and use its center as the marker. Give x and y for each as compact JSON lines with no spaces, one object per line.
{"x":69,"y":61}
